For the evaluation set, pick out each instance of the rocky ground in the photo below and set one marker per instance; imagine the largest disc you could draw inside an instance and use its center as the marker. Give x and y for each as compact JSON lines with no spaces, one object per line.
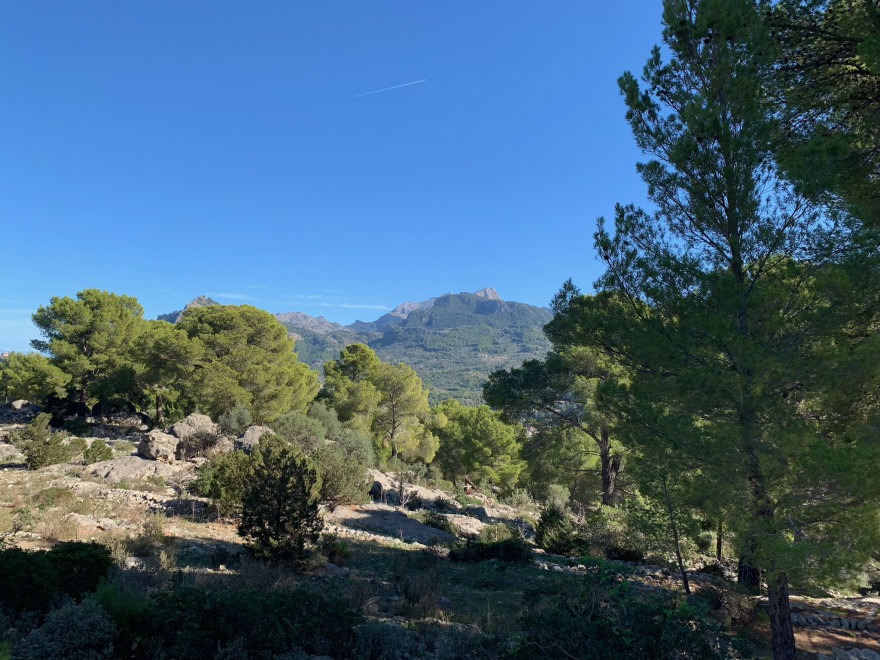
{"x":141,"y":491}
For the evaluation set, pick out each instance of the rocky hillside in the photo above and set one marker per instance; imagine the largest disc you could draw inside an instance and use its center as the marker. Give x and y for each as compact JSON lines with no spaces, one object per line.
{"x":453,"y":341}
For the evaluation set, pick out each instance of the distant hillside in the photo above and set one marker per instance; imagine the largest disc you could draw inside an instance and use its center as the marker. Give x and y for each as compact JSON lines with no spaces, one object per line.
{"x":198,"y":301}
{"x":453,"y":341}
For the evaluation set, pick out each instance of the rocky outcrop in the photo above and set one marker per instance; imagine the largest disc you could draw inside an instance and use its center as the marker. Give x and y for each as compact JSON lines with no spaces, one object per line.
{"x":251,"y":438}
{"x":128,"y":468}
{"x":158,"y":446}
{"x":192,"y":424}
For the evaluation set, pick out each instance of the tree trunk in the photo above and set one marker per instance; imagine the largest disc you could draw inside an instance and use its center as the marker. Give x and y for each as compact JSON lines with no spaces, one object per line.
{"x":781,"y":633}
{"x":610,"y":468}
{"x":747,"y":574}
{"x":718,"y":536}
{"x":671,"y":513}
{"x":160,"y":412}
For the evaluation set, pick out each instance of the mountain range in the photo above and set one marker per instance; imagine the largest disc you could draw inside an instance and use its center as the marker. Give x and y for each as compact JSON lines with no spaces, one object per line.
{"x":453,"y":341}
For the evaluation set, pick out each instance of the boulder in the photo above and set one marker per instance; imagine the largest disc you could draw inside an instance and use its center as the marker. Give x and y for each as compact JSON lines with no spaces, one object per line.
{"x":251,"y":438}
{"x":158,"y":446}
{"x":128,"y":468}
{"x":192,"y":424}
{"x":19,"y":404}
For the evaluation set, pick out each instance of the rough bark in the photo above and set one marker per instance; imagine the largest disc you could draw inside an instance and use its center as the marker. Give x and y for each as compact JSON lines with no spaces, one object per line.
{"x":610,"y":468}
{"x":719,"y":534}
{"x":781,"y":632}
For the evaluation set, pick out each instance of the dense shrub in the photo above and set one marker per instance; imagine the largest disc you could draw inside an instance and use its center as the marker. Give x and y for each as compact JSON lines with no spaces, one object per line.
{"x":279,"y":514}
{"x":191,"y":623}
{"x":236,"y":420}
{"x":344,"y":477}
{"x":224,"y":479}
{"x":53,"y":496}
{"x":304,"y":432}
{"x":29,"y":581}
{"x":98,"y":451}
{"x":515,"y":550}
{"x":602,"y":616}
{"x":40,"y":446}
{"x":79,"y":566}
{"x":555,"y":532}
{"x":77,"y":426}
{"x":74,"y":631}
{"x":199,"y":443}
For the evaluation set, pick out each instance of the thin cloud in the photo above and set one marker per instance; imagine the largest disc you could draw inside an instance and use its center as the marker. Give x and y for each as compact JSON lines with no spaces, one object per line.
{"x":384,"y":89}
{"x":257,"y":286}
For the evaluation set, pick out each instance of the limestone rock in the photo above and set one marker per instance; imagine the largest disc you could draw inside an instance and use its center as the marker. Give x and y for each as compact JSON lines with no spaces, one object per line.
{"x":192,"y":424}
{"x":128,"y":468}
{"x":19,"y":404}
{"x":158,"y":446}
{"x":251,"y":438}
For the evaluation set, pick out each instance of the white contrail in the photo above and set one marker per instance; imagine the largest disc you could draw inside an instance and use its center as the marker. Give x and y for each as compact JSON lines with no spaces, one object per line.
{"x":385,"y":89}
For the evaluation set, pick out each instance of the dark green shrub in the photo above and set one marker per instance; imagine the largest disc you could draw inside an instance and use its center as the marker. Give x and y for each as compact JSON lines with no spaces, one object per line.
{"x":29,"y":581}
{"x":127,"y":609}
{"x":601,"y":616}
{"x":40,"y":446}
{"x":344,"y":477}
{"x":437,"y":521}
{"x":279,"y":513}
{"x":555,"y":532}
{"x":191,"y":623}
{"x":79,"y":566}
{"x":496,"y":532}
{"x":98,"y":451}
{"x":617,"y":553}
{"x":198,"y":444}
{"x":236,"y":420}
{"x":514,"y":550}
{"x":75,"y":631}
{"x":223,"y":479}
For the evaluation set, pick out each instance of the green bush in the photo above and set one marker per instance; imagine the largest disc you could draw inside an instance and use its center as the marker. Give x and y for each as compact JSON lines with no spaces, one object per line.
{"x":77,"y":426}
{"x":29,"y":581}
{"x":496,"y":532}
{"x":344,"y":477}
{"x":98,"y":451}
{"x":236,"y":420}
{"x":306,"y":433}
{"x":555,"y":532}
{"x":602,"y":617}
{"x":279,"y":514}
{"x":79,"y":566}
{"x":198,"y":444}
{"x":77,"y":445}
{"x":75,"y":631}
{"x":335,"y":549}
{"x":53,"y":496}
{"x":514,"y":550}
{"x":40,"y":446}
{"x":223,"y":479}
{"x":191,"y":623}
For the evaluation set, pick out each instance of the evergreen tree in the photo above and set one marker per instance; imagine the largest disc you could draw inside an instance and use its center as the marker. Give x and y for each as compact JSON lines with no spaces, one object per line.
{"x":279,"y":514}
{"x":31,"y":376}
{"x":737,"y":308}
{"x":248,"y":358}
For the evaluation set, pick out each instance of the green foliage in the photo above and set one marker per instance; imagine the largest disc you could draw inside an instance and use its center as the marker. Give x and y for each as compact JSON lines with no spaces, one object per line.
{"x":514,"y":549}
{"x":436,"y":520}
{"x":385,"y":400}
{"x":33,"y":580}
{"x":279,"y":514}
{"x":344,"y":477}
{"x":77,"y":445}
{"x":336,"y":550}
{"x":31,"y":376}
{"x":601,"y":616}
{"x":80,"y":566}
{"x":555,"y":532}
{"x":191,"y":623}
{"x":97,"y":451}
{"x":74,"y":631}
{"x":476,"y":444}
{"x":53,"y":496}
{"x":306,"y":433}
{"x":77,"y":426}
{"x":40,"y":446}
{"x":91,"y":339}
{"x":224,"y":479}
{"x":236,"y":420}
{"x":247,"y":358}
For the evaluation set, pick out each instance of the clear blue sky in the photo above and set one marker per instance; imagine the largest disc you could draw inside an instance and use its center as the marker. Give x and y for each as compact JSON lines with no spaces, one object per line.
{"x":168,"y":149}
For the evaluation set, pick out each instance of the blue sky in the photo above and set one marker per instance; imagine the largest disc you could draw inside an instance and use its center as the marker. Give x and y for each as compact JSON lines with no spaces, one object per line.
{"x":171,"y":149}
